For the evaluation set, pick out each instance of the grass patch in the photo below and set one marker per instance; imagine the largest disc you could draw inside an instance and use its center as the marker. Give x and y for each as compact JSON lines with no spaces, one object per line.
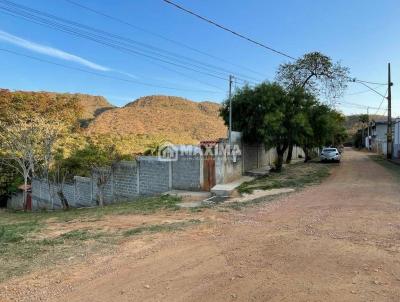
{"x":81,"y":235}
{"x":143,"y":205}
{"x":292,"y":176}
{"x":156,"y":228}
{"x":13,"y":233}
{"x":24,"y":248}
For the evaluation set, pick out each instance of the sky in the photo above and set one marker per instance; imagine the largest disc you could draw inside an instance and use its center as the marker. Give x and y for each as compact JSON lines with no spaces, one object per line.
{"x":359,"y":34}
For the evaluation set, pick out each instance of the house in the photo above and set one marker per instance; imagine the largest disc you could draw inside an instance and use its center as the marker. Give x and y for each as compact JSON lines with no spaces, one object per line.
{"x":379,"y":137}
{"x":396,"y":138}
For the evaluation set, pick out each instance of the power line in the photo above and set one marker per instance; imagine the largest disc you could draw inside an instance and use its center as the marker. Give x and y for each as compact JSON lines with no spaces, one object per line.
{"x":121,"y":21}
{"x":383,"y":99}
{"x":360,"y":106}
{"x":361,"y":92}
{"x":368,"y":82}
{"x":229,"y":30}
{"x":372,"y":89}
{"x":102,"y":75}
{"x":121,"y":48}
{"x":102,"y":36}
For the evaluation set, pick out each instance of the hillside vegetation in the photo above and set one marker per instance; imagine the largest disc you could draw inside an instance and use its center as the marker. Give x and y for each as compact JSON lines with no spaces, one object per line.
{"x":131,"y":128}
{"x":90,"y":105}
{"x":352,"y":123}
{"x":175,"y":119}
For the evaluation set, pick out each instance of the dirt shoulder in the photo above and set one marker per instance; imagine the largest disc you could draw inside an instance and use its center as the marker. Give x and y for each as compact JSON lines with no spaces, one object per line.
{"x":338,"y":241}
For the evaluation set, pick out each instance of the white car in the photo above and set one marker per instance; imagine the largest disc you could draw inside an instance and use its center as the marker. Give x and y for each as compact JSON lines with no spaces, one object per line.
{"x":330,"y":154}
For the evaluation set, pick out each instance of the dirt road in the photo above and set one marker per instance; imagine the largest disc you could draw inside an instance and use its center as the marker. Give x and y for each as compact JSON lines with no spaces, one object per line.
{"x":338,"y":241}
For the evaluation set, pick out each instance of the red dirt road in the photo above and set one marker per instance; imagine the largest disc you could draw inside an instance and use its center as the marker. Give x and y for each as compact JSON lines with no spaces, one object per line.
{"x":338,"y":241}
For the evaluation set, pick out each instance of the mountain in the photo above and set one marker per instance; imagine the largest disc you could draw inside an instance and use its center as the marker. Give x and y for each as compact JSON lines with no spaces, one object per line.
{"x":91,"y":105}
{"x":131,"y":128}
{"x":173,"y":118}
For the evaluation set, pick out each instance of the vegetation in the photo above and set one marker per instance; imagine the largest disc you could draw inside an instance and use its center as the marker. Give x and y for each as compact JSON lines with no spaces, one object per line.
{"x":287,"y":113}
{"x":317,"y":75}
{"x":294,"y":176}
{"x":38,"y":239}
{"x":268,"y":114}
{"x":166,"y":227}
{"x":154,"y":118}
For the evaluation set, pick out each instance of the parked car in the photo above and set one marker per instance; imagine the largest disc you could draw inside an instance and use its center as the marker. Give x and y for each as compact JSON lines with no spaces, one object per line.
{"x":330,"y":154}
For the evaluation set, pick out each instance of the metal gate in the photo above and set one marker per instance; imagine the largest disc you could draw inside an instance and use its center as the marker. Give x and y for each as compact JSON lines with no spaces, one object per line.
{"x":209,"y":173}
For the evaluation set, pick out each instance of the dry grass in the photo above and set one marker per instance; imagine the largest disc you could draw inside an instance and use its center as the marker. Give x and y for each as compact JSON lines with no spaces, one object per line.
{"x":29,"y":241}
{"x":292,"y":176}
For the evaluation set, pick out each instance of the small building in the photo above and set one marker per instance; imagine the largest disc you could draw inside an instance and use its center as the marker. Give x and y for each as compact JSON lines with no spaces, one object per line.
{"x":396,"y":138}
{"x":379,"y":137}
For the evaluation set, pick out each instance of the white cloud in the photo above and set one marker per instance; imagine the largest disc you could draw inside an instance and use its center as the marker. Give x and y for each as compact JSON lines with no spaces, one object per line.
{"x":50,"y":51}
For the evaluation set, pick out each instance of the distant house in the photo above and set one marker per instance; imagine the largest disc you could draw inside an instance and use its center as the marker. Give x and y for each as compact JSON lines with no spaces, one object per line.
{"x":379,"y":137}
{"x":396,"y":138}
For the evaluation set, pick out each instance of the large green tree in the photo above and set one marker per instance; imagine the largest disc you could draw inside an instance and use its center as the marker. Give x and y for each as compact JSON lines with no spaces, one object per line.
{"x":268,"y":114}
{"x":325,"y":127}
{"x":317,"y":74}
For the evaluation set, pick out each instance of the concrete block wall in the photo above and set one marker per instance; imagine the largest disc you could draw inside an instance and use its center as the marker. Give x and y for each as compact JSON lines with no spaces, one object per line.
{"x":126,"y":180}
{"x":154,"y":175}
{"x":256,"y":156}
{"x":146,"y":176}
{"x":84,"y":192}
{"x":186,"y":173}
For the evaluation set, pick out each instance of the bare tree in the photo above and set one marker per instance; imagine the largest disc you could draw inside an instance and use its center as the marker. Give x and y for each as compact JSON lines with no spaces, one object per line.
{"x":50,"y":168}
{"x":58,"y":177}
{"x":19,"y":141}
{"x":103,"y":175}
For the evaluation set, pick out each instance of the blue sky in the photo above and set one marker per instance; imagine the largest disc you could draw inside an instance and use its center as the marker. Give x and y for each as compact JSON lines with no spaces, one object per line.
{"x":360,"y":34}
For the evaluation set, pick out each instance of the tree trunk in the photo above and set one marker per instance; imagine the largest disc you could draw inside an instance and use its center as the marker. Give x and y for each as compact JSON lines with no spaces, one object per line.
{"x":101,"y":197}
{"x":289,"y":154}
{"x":24,"y":193}
{"x":279,"y":162}
{"x":307,"y":156}
{"x":64,"y":200}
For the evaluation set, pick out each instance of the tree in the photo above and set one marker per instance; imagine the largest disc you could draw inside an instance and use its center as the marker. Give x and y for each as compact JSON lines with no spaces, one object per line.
{"x":155,"y":147}
{"x":317,"y":74}
{"x":47,"y":105}
{"x":325,"y":127}
{"x":58,"y":175}
{"x":266,"y":114}
{"x":20,"y":146}
{"x":363,"y":119}
{"x":297,"y":104}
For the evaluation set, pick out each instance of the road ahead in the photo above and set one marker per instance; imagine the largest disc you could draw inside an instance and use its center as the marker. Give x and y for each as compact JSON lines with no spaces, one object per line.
{"x":338,"y":241}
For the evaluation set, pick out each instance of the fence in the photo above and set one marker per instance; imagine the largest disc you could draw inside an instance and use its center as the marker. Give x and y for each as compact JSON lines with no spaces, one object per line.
{"x":151,"y":175}
{"x":146,"y":176}
{"x":256,"y":156}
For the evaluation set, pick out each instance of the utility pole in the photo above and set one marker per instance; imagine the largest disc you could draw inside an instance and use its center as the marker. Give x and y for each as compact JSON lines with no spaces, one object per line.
{"x":230,"y":109}
{"x":389,"y":145}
